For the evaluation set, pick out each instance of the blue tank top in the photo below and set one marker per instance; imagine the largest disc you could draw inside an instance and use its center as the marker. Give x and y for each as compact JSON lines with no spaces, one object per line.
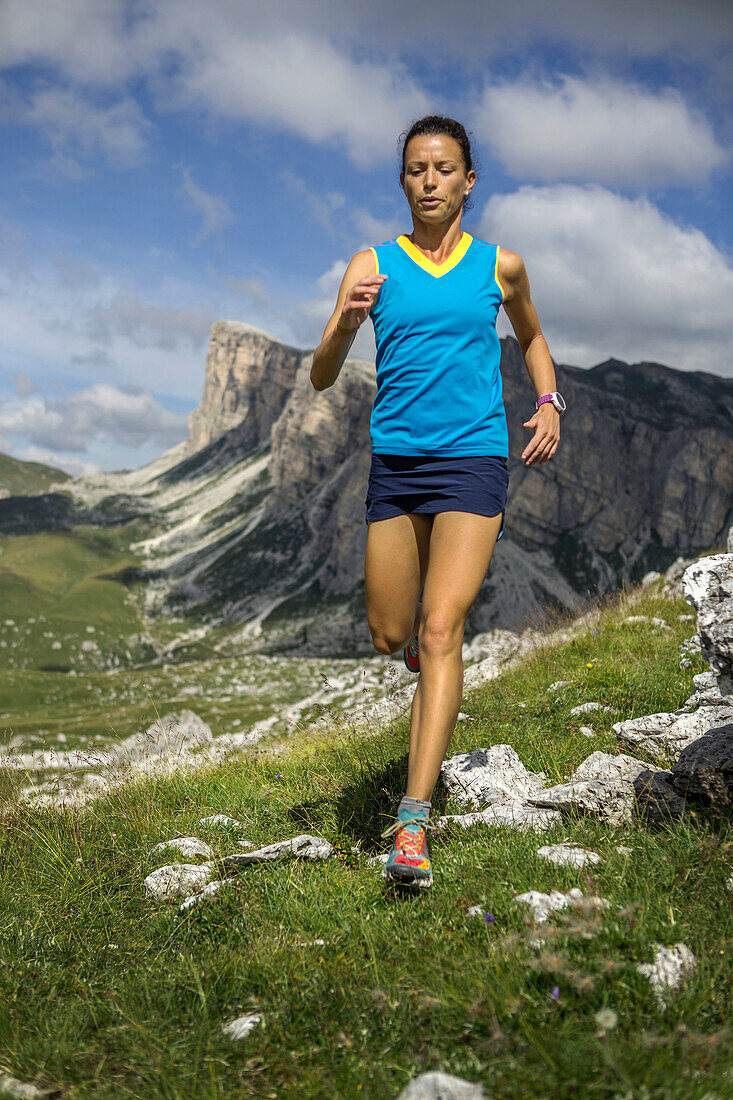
{"x":438,"y":381}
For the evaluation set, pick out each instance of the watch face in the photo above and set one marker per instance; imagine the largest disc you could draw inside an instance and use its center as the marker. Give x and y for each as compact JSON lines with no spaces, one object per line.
{"x":559,"y":402}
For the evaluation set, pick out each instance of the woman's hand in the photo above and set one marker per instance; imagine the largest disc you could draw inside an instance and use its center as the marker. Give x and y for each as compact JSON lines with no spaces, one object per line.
{"x":359,"y":301}
{"x":543,"y":444}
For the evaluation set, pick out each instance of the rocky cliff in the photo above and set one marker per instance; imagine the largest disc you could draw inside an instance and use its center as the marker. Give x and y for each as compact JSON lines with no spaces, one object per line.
{"x":259,"y":517}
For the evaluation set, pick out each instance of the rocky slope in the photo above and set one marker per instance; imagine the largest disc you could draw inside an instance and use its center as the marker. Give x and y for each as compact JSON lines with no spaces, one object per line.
{"x":258,"y":518}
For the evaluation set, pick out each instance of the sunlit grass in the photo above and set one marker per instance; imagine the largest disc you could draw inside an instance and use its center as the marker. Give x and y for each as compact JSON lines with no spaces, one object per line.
{"x":109,"y":994}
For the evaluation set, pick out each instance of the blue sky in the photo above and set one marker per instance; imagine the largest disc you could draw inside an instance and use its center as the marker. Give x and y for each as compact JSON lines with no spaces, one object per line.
{"x":168,"y":164}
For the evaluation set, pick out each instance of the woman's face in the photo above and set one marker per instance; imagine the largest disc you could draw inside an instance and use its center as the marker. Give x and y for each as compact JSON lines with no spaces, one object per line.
{"x":435,"y":180}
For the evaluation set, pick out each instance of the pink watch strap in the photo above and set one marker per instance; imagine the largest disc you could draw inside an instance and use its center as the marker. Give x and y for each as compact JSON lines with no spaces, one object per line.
{"x":542,"y":400}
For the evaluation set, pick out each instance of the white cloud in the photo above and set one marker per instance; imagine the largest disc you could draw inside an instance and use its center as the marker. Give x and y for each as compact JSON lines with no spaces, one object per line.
{"x":614,"y":276}
{"x":599,"y":129}
{"x":78,"y":128}
{"x":104,"y":326}
{"x":213,"y":209}
{"x":71,"y":464}
{"x":243,"y":66}
{"x":103,"y":411}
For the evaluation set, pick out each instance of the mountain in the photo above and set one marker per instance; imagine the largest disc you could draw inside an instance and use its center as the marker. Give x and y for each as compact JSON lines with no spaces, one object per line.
{"x":18,"y":477}
{"x":258,"y":518}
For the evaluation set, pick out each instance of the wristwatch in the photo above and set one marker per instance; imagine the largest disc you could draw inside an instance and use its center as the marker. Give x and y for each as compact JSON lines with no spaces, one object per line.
{"x":556,"y":398}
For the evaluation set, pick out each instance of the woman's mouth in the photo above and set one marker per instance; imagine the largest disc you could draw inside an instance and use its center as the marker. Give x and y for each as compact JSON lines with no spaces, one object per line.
{"x":429,"y":202}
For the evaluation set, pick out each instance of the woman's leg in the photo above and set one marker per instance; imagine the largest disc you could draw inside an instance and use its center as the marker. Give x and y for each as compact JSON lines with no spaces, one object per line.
{"x":460,"y":550}
{"x":395,"y":565}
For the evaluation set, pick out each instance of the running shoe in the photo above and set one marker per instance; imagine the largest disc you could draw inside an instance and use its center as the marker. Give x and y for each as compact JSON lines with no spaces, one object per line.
{"x":409,"y":861}
{"x":412,"y":655}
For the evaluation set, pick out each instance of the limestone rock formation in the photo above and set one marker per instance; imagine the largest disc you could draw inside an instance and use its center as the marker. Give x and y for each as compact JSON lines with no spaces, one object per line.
{"x":258,"y":518}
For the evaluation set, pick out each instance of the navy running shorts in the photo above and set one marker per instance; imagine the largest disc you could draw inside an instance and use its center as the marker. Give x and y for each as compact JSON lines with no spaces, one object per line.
{"x":431,"y":483}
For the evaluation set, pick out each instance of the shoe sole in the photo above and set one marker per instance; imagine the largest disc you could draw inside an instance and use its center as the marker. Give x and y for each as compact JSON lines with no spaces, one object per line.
{"x":407,"y":879}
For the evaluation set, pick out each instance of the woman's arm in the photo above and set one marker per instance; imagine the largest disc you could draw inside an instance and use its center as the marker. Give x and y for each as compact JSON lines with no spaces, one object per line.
{"x":356,"y":296}
{"x":523,"y":316}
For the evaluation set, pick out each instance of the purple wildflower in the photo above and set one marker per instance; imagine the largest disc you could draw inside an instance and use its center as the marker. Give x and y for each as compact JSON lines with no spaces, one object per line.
{"x":555,"y":992}
{"x":489,"y":918}
{"x":279,"y":775}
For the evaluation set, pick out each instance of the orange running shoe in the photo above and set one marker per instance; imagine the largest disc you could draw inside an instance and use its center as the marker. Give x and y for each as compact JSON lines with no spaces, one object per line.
{"x":409,"y":861}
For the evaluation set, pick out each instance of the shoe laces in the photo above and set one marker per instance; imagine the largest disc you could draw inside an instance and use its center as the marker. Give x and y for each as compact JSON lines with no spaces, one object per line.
{"x":394,"y":828}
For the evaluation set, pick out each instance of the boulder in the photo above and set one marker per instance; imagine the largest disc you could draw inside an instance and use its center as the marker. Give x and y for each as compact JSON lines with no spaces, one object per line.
{"x":704,"y":770}
{"x":489,"y":775}
{"x":442,"y":1086}
{"x":657,"y":801}
{"x":663,"y":736}
{"x":708,"y":586}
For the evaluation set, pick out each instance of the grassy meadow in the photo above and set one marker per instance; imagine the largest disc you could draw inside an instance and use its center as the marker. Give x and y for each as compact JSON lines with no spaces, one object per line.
{"x":105,"y":993}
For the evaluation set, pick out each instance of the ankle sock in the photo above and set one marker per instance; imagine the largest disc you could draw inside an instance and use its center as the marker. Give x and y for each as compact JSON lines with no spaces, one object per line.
{"x":414,"y":805}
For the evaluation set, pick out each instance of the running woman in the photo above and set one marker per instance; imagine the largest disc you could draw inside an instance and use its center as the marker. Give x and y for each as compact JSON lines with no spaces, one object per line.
{"x":438,"y":480}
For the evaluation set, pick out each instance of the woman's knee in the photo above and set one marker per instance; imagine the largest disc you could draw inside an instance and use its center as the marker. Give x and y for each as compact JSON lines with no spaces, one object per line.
{"x":441,"y":631}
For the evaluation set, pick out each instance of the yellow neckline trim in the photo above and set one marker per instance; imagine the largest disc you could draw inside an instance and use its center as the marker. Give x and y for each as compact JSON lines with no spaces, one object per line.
{"x":427,"y":265}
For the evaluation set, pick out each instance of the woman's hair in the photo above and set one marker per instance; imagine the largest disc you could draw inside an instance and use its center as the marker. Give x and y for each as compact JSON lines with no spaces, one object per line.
{"x":438,"y":124}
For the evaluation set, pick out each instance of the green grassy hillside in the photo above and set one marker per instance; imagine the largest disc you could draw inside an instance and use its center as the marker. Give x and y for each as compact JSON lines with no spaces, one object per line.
{"x":106,"y":993}
{"x":19,"y":478}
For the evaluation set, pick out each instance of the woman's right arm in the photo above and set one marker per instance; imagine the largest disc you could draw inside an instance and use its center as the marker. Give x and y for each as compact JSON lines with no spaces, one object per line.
{"x":356,"y":296}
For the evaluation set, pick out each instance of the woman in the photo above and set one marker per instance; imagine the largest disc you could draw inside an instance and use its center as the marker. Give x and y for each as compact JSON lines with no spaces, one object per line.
{"x":438,"y":479}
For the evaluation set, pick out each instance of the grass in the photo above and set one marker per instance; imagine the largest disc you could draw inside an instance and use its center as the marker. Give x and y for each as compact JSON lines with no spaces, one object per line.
{"x":107,"y":994}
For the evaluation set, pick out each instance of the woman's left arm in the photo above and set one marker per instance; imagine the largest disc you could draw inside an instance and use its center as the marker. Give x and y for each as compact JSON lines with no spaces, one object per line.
{"x":524,"y":320}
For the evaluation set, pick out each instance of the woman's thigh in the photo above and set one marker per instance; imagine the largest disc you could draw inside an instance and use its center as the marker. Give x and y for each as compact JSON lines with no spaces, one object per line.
{"x":461,"y":547}
{"x":395,"y":566}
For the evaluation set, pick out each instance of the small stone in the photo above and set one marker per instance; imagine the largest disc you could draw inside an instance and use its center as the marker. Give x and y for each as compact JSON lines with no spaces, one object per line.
{"x":19,"y":1090}
{"x":208,"y":891}
{"x":568,"y":855}
{"x":587,"y":731}
{"x":178,"y":880}
{"x":586,"y":708}
{"x":304,"y":846}
{"x":242,"y":1026}
{"x":544,"y":904}
{"x":221,"y":821}
{"x":559,"y":684}
{"x":623,"y":850}
{"x":671,"y":965}
{"x":188,"y":846}
{"x":475,"y":911}
{"x":442,"y":1086}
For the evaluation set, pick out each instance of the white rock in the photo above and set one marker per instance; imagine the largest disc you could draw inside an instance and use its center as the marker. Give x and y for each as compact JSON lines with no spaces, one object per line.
{"x":587,"y":731}
{"x":221,"y":821}
{"x":241,"y":1027}
{"x":208,"y":891}
{"x":610,"y":800}
{"x":188,"y":846}
{"x":586,"y":708}
{"x":304,"y":846}
{"x":544,"y":904}
{"x":514,"y":815}
{"x":464,"y":717}
{"x":442,"y":1086}
{"x":475,"y":911}
{"x":19,"y":1090}
{"x":665,"y":735}
{"x":558,"y":684}
{"x":671,"y":965}
{"x":569,"y":855}
{"x":493,"y":774}
{"x":178,"y":880}
{"x":603,"y":765}
{"x":623,"y":850}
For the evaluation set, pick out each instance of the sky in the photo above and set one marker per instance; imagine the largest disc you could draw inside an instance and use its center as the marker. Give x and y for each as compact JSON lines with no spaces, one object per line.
{"x":167,"y":164}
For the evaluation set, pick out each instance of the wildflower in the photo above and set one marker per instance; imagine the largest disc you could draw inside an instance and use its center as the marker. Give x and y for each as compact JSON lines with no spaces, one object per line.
{"x":279,"y":775}
{"x":596,"y":630}
{"x":589,"y":664}
{"x":555,"y":992}
{"x":606,"y":1019}
{"x":489,"y":918}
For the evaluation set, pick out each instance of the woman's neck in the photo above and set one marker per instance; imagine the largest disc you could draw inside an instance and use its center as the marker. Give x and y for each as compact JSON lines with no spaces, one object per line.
{"x":437,"y":241}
